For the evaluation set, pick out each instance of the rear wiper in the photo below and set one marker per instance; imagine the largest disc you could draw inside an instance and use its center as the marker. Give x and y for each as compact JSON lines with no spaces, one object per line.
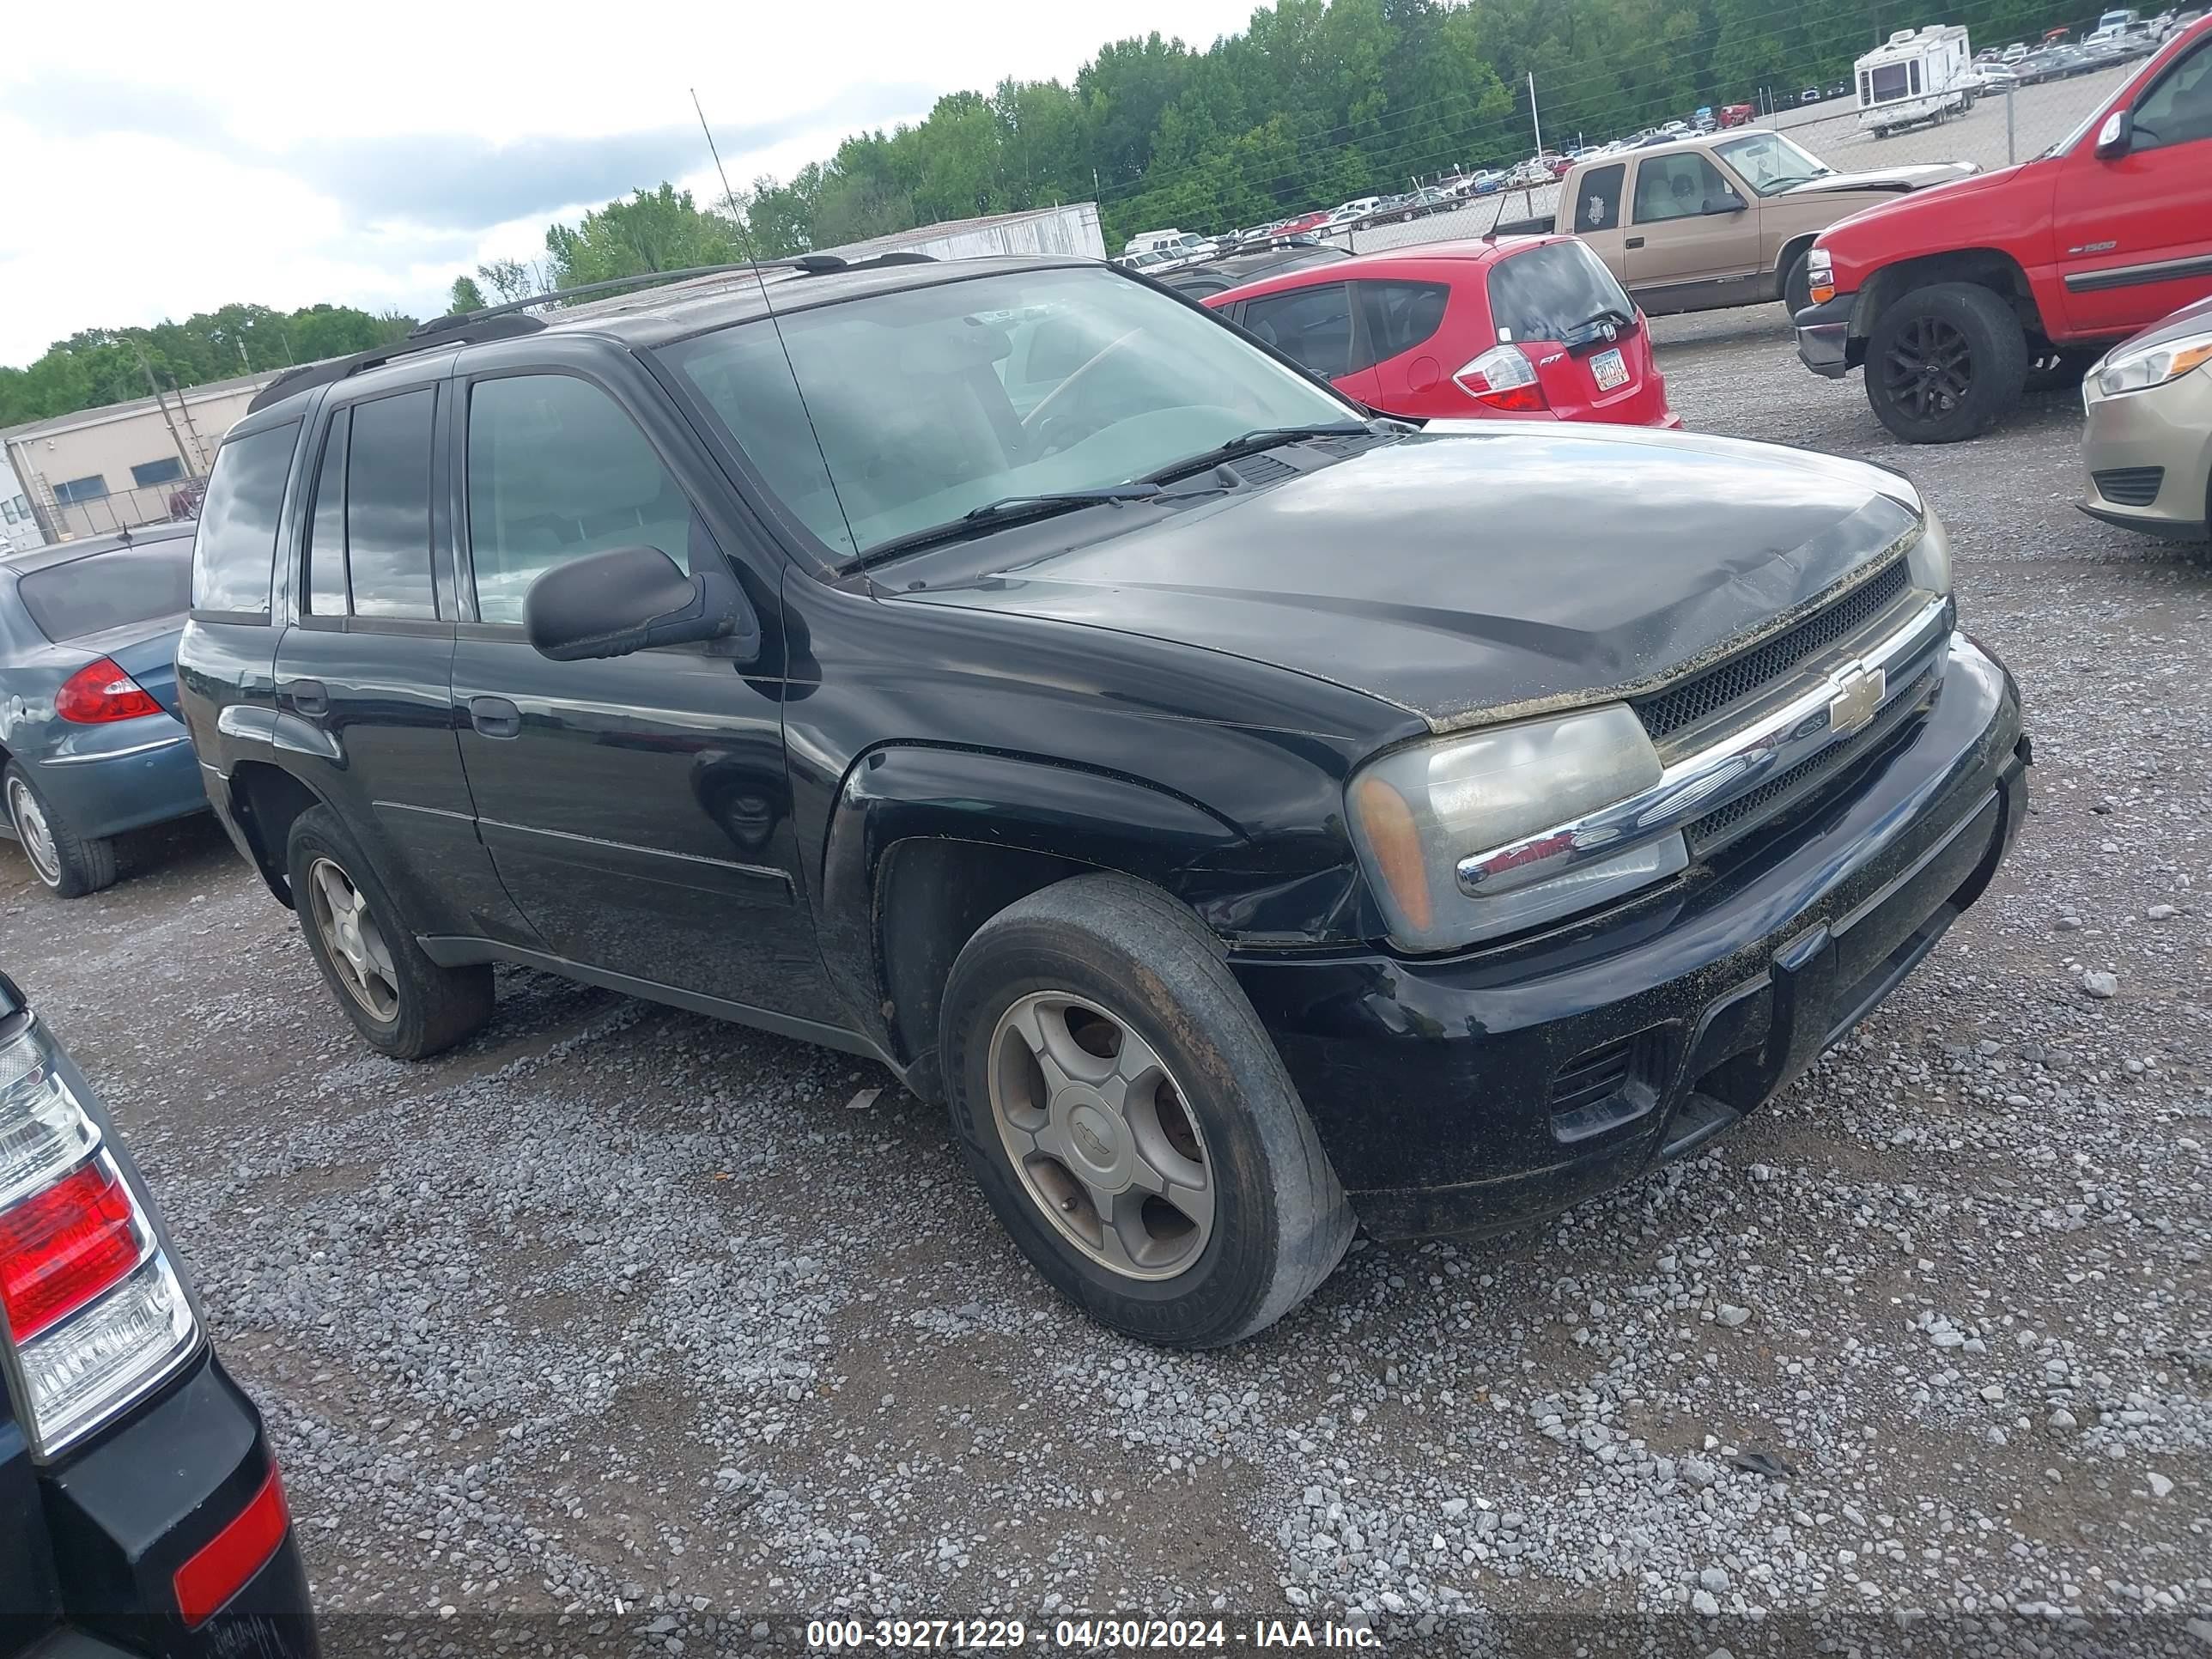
{"x":1266,"y":437}
{"x":1592,"y":328}
{"x":977,"y":519}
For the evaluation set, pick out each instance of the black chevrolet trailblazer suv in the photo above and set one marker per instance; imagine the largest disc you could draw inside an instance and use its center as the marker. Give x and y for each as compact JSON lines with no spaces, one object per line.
{"x":1253,"y":817}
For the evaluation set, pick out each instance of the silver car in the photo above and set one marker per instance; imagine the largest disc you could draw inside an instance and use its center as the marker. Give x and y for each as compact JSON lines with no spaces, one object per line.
{"x":2148,"y":447}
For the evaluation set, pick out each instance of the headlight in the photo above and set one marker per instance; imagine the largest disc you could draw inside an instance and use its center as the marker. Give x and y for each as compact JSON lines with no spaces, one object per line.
{"x":2155,"y":365}
{"x":1929,"y":563}
{"x":1418,"y":813}
{"x":1820,"y":275}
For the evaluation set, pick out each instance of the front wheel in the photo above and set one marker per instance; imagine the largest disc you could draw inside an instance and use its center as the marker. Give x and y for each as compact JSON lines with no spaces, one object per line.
{"x":1128,"y":1118}
{"x":1945,"y":363}
{"x":1797,"y":284}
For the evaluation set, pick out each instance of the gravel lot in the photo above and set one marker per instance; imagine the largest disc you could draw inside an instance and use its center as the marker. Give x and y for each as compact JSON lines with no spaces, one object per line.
{"x":621,"y":1329}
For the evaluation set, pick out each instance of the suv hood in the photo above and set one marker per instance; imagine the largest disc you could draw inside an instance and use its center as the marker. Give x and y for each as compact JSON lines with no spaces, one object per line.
{"x":1888,"y":178}
{"x":1476,"y":571}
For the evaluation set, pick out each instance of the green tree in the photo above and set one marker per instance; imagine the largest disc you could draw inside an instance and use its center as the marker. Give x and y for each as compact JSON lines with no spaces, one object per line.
{"x":466,"y":296}
{"x":652,"y":230}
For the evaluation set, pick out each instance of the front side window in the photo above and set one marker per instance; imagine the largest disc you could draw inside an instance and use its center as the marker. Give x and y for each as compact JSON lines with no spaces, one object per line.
{"x":234,"y":554}
{"x":1678,"y":187}
{"x":2180,"y":108}
{"x":326,"y":552}
{"x":1311,"y":325}
{"x":558,"y":470}
{"x":1597,"y":198}
{"x":143,"y":581}
{"x":1401,"y":316}
{"x":910,"y":417}
{"x":1770,"y":163}
{"x":387,"y":516}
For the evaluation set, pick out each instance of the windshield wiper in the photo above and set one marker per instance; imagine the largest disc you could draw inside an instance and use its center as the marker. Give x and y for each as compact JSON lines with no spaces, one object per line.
{"x":1591,"y":329}
{"x":977,"y":519}
{"x":1265,"y":437}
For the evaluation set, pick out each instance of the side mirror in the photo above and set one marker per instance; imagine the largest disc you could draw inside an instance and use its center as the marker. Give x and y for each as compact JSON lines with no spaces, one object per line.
{"x":631,"y":598}
{"x":1731,"y":202}
{"x":2114,"y":138}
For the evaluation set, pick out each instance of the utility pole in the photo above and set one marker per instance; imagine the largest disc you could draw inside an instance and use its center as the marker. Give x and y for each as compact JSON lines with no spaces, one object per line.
{"x":154,"y":386}
{"x":1533,"y":120}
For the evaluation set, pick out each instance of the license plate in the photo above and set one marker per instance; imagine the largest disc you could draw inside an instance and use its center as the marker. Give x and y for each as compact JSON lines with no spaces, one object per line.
{"x":1609,"y":369}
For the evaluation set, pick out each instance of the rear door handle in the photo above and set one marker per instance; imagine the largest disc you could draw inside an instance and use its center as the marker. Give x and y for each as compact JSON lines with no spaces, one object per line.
{"x":309,"y":696}
{"x":496,"y":717}
{"x":1635,"y":241}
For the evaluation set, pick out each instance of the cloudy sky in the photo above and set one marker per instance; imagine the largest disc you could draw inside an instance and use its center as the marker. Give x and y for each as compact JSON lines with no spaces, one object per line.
{"x":159,"y":163}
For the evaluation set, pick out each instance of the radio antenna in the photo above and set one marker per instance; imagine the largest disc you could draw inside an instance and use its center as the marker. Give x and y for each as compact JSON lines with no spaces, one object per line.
{"x":752,"y":254}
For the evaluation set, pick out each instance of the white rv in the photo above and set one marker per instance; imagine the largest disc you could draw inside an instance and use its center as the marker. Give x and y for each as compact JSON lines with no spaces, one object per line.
{"x":1917,"y":75}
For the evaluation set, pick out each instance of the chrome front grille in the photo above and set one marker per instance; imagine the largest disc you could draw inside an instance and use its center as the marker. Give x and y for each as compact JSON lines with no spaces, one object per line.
{"x":1704,"y":696}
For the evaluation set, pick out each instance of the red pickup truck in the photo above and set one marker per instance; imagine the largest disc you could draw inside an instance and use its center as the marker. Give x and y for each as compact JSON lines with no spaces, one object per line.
{"x":1951,"y":299}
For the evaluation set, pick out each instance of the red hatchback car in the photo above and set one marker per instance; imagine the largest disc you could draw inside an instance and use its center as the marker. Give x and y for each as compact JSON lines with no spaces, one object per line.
{"x":1534,"y":327}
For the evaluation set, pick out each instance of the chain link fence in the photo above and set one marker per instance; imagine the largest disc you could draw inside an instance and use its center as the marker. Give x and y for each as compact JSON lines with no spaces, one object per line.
{"x":2000,"y":129}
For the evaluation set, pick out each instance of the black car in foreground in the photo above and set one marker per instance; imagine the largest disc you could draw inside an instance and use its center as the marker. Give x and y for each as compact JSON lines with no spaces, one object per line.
{"x":140,"y":1509}
{"x":1247,"y":814}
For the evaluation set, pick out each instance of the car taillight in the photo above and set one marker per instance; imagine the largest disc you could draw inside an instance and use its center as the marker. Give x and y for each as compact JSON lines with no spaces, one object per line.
{"x":1503,"y":378}
{"x":100,"y":691}
{"x":95,"y":1314}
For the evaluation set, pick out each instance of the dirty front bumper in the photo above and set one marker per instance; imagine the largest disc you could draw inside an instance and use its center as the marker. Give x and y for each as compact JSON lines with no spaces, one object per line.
{"x":1824,"y":337}
{"x":1477,"y":1092}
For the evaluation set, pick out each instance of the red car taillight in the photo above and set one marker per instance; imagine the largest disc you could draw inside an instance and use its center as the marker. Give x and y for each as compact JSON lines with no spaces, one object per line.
{"x":1503,"y":378}
{"x":100,"y":691}
{"x":95,"y":1314}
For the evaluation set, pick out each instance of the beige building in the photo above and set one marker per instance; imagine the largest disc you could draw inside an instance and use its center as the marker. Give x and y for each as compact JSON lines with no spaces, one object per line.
{"x":102,"y":470}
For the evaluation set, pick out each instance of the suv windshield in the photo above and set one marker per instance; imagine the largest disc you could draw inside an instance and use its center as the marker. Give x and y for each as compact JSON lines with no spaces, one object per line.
{"x":918,"y":406}
{"x":1770,"y":163}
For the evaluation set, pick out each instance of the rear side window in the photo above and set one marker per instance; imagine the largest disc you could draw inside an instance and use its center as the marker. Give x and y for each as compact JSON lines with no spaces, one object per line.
{"x":326,"y":554}
{"x":1547,"y":291}
{"x":235,"y":557}
{"x":1312,"y":325}
{"x":1597,"y":198}
{"x":558,"y":470}
{"x":1401,"y":315}
{"x":387,"y":514}
{"x":143,"y":583}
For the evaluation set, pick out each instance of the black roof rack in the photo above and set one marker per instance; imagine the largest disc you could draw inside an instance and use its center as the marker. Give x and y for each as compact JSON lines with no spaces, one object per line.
{"x":503,"y":322}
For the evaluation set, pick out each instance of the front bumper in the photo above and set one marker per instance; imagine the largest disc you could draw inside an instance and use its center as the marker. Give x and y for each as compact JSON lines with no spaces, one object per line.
{"x":1824,"y":337}
{"x":1456,"y":1096}
{"x":2147,"y":457}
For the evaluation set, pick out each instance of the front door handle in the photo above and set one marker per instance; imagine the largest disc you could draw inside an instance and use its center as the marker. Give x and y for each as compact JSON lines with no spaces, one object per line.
{"x":496,"y":717}
{"x":1635,"y":241}
{"x":309,"y":696}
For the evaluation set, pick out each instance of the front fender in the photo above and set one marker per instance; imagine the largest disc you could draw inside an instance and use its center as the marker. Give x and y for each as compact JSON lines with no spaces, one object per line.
{"x":994,"y":800}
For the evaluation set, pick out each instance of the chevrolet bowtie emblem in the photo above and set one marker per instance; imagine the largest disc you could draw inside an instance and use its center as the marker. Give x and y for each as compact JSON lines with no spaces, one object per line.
{"x":1858,"y":695}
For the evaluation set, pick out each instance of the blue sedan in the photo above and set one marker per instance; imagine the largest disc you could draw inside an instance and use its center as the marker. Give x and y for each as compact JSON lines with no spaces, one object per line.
{"x":90,"y":743}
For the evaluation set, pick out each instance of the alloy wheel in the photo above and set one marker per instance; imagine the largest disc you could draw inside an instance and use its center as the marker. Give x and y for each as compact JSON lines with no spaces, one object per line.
{"x":33,"y":832}
{"x":1100,"y":1133}
{"x":352,"y":940}
{"x":1928,"y":368}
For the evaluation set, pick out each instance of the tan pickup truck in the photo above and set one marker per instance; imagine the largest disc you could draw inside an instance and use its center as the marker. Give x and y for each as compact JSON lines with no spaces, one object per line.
{"x":1720,"y":219}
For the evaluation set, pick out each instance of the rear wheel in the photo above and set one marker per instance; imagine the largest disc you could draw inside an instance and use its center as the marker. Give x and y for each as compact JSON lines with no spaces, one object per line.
{"x":1129,"y":1120}
{"x":1945,"y":362}
{"x":403,"y":1003}
{"x":69,"y":863}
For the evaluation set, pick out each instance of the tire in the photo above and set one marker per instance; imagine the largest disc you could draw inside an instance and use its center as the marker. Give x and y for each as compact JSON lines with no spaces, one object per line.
{"x":406,"y":1005}
{"x":2056,"y":368}
{"x":1973,"y":352}
{"x":1797,"y":284}
{"x":1100,"y":952}
{"x":68,"y":864}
